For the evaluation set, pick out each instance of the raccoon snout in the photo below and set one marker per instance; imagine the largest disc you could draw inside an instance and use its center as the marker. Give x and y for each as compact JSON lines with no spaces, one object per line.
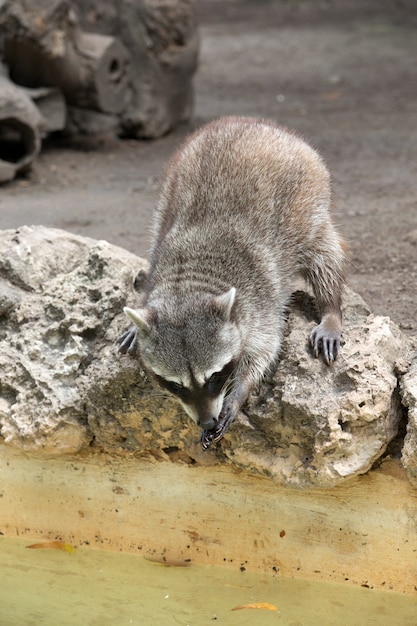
{"x":208,"y":425}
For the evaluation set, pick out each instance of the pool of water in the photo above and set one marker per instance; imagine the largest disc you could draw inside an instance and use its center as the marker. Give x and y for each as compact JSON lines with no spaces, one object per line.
{"x":99,"y":588}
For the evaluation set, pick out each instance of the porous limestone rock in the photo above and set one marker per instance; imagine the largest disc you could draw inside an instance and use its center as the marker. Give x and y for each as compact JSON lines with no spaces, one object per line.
{"x":314,"y":424}
{"x":58,"y":293}
{"x":64,"y":386}
{"x":409,"y":396}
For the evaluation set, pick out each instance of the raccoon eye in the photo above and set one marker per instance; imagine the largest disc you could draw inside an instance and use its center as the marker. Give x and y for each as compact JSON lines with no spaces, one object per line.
{"x":218,"y":379}
{"x":174,"y":387}
{"x":214,"y":378}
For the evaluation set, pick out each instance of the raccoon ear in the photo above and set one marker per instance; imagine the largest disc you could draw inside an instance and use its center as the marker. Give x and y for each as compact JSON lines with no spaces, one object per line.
{"x":224,"y":303}
{"x":142,"y":318}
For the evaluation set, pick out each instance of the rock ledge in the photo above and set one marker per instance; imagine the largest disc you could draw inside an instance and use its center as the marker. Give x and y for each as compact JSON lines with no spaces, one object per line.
{"x":64,"y":386}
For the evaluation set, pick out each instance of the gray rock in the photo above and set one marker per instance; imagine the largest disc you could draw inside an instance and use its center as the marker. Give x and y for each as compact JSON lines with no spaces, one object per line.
{"x":409,"y":396}
{"x":9,"y":298}
{"x":64,"y":385}
{"x":315,"y":425}
{"x":63,"y":291}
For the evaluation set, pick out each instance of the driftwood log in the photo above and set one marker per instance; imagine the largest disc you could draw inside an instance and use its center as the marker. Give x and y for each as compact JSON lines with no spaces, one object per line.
{"x":162,"y":38}
{"x":20,"y":130}
{"x":124,"y":67}
{"x":51,"y":105}
{"x":44,"y":46}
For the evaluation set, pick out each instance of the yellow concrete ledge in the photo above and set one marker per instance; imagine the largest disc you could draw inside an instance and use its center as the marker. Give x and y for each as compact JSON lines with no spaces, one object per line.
{"x":363,"y":533}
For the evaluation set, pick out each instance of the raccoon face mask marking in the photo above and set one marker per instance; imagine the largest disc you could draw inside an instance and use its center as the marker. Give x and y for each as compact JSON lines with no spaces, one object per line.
{"x":202,"y":402}
{"x":192,"y":355}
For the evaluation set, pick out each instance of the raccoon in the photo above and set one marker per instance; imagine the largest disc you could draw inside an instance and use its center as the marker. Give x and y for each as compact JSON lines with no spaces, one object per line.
{"x":243,"y":208}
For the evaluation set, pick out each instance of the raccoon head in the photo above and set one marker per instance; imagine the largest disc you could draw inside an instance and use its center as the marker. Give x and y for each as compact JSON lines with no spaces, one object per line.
{"x":192,"y":350}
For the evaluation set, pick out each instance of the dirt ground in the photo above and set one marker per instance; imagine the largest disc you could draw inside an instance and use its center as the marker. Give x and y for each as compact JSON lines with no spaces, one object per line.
{"x":343,"y":73}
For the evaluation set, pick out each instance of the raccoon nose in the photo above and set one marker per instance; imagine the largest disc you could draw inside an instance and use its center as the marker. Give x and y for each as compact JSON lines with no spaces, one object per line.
{"x":207,"y":424}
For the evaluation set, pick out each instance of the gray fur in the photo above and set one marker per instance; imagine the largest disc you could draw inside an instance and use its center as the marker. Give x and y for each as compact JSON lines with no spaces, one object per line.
{"x":244,"y":206}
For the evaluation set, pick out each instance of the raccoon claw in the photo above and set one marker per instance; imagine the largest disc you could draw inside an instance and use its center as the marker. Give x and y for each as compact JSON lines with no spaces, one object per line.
{"x":213,"y":436}
{"x":328,"y":342}
{"x":207,"y":439}
{"x":210,"y":436}
{"x":128,"y":342}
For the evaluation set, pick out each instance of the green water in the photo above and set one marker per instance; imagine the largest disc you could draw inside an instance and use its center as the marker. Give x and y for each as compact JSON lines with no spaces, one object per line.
{"x":98,"y":588}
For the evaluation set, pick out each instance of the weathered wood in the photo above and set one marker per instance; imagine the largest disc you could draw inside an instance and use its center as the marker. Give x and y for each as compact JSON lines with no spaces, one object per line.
{"x":162,"y":38}
{"x":148,"y":89}
{"x":104,"y":73}
{"x":20,"y":130}
{"x":43,"y":46}
{"x":51,"y":105}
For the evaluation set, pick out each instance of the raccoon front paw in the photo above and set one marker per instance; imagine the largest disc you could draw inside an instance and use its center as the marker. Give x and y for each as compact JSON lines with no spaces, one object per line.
{"x":207,"y":439}
{"x":128,"y":342}
{"x":326,"y":341}
{"x":213,"y":436}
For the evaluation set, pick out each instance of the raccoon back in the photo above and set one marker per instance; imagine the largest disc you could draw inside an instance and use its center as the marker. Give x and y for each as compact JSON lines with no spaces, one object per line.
{"x":246,"y":174}
{"x":241,"y":202}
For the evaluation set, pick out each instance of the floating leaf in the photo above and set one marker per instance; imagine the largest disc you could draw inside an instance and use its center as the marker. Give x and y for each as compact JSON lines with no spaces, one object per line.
{"x":256,"y":605}
{"x":54,"y":545}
